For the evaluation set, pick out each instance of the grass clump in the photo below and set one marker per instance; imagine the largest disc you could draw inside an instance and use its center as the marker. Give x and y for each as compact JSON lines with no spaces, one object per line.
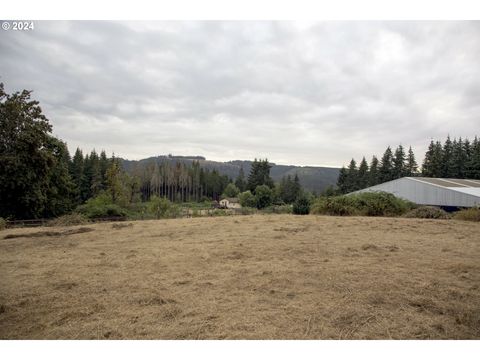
{"x":363,"y":204}
{"x":69,"y":220}
{"x":427,"y":212}
{"x":277,"y":209}
{"x":3,"y":223}
{"x":472,"y":214}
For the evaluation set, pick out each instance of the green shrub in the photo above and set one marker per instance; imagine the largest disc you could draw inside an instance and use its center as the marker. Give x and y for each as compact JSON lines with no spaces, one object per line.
{"x":101,"y":207}
{"x":247,"y":199}
{"x":427,"y":212}
{"x":69,"y":220}
{"x":264,"y":196}
{"x":159,"y":207}
{"x":3,"y":223}
{"x":301,"y":206}
{"x":472,"y":214}
{"x":365,"y":204}
{"x":221,"y":212}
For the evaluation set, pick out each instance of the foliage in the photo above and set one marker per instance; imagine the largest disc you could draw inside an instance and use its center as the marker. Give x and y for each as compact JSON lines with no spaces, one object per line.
{"x":159,"y":207}
{"x":427,"y":212}
{"x":263,"y":196}
{"x":240,"y":182}
{"x":472,"y":214}
{"x":259,"y":175}
{"x":230,"y":191}
{"x":289,"y":189}
{"x":365,"y":204}
{"x":247,"y":199}
{"x":302,"y":205}
{"x":33,"y":178}
{"x":3,"y":223}
{"x":101,"y":206}
{"x":69,"y":220}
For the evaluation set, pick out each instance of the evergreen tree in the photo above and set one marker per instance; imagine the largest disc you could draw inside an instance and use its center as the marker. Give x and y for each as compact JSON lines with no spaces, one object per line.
{"x":259,"y":175}
{"x":399,"y":163}
{"x":342,"y":180}
{"x":103,"y":165}
{"x":352,"y":176}
{"x":77,"y":174}
{"x":385,"y":170}
{"x":240,"y":182}
{"x":432,"y":164}
{"x":447,"y":158}
{"x":473,"y":166}
{"x":373,"y":175}
{"x":459,"y":159}
{"x":363,"y":174}
{"x":411,"y":167}
{"x":96,"y":175}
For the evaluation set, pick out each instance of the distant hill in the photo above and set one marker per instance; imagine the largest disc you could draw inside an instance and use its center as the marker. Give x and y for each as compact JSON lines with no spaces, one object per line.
{"x":312,"y":178}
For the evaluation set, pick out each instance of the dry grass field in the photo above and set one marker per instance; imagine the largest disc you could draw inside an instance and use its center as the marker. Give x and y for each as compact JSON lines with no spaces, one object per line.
{"x":243,"y":277}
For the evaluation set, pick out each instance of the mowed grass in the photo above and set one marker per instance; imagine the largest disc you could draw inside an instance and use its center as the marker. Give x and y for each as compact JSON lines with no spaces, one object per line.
{"x":243,"y":277}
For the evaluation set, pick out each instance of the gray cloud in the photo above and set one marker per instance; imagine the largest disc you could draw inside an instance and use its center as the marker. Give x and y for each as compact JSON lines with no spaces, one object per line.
{"x":299,"y":93}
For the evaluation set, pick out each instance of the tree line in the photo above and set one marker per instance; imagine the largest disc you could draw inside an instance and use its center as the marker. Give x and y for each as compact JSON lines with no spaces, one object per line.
{"x":454,"y":159}
{"x":39,"y":178}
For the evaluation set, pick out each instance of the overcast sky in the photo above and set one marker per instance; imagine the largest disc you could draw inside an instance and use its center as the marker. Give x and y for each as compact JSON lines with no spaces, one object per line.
{"x":297,"y":93}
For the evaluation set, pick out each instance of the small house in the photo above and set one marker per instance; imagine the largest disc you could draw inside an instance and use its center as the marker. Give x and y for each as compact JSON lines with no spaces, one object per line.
{"x":230,"y":203}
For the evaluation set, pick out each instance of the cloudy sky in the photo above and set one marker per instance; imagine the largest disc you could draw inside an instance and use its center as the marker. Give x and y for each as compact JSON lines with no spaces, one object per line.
{"x":296,"y":92}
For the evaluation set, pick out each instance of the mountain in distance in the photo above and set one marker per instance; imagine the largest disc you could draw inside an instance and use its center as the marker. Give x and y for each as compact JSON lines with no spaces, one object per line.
{"x":312,"y":178}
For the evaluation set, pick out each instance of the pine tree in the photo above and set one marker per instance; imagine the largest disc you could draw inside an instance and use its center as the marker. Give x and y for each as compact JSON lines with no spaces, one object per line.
{"x":342,"y":180}
{"x":352,"y":176}
{"x":373,"y":175}
{"x":459,"y":159}
{"x":240,"y":182}
{"x":103,"y":164}
{"x":363,"y":174}
{"x":447,"y":158}
{"x":427,"y":167}
{"x":411,"y":167}
{"x":473,"y":166}
{"x":399,"y":163}
{"x":386,"y":166}
{"x":259,"y":175}
{"x":77,"y":174}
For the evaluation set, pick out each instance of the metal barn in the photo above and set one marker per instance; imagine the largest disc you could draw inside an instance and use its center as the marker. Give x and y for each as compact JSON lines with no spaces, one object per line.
{"x":433,"y":191}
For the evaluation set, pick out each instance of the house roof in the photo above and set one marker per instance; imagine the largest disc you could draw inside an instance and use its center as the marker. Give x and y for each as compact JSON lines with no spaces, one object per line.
{"x":231,"y":200}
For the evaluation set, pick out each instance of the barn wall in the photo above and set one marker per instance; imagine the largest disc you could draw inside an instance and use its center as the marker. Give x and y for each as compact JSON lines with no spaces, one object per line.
{"x":425,"y":194}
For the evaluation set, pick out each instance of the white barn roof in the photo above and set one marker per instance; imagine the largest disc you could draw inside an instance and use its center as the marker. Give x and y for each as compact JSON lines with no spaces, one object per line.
{"x":433,"y":191}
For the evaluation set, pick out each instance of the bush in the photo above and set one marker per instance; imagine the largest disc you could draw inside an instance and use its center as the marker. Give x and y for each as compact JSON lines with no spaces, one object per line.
{"x":301,"y":206}
{"x":230,"y":191}
{"x":3,"y":223}
{"x":69,"y":220}
{"x":159,"y":207}
{"x":101,"y":207}
{"x":247,"y":199}
{"x":427,"y":212}
{"x":263,"y":195}
{"x":104,"y":211}
{"x":365,"y":204}
{"x":472,"y":214}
